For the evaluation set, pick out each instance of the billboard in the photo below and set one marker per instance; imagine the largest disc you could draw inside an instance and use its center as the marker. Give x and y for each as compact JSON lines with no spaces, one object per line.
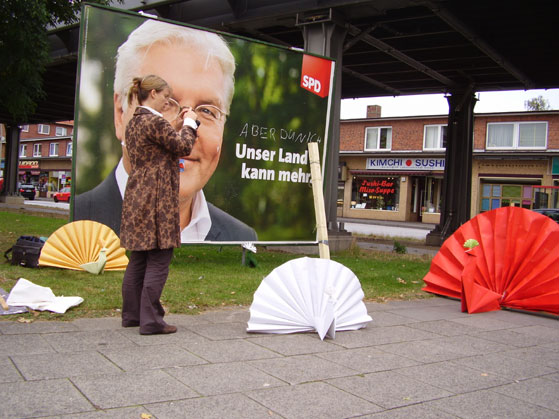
{"x":247,"y":180}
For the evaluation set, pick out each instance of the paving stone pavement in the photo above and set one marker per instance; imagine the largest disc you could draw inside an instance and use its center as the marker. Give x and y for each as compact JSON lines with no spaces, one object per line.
{"x":417,"y":359}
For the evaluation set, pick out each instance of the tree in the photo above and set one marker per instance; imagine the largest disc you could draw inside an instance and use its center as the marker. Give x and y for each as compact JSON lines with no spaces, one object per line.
{"x":24,"y":48}
{"x":537,"y":104}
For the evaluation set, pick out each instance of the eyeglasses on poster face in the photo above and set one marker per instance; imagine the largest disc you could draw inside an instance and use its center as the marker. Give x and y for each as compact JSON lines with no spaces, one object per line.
{"x":209,"y":114}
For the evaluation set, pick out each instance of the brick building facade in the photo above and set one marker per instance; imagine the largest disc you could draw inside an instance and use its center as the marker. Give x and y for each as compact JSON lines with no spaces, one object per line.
{"x":392,"y":168}
{"x":45,"y":156}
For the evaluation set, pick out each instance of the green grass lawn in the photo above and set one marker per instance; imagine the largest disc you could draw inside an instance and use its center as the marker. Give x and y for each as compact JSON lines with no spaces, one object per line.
{"x":201,"y":277}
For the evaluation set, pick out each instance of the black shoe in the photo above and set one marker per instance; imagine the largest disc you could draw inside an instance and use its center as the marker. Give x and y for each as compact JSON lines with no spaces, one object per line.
{"x":130,"y":324}
{"x":167,"y":330}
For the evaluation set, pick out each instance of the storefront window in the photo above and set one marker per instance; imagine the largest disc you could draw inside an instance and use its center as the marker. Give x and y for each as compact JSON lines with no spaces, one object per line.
{"x":512,"y":191}
{"x":340,"y":200}
{"x":546,"y":196}
{"x":497,"y":196}
{"x":377,"y":193}
{"x":432,"y":201}
{"x":496,"y":190}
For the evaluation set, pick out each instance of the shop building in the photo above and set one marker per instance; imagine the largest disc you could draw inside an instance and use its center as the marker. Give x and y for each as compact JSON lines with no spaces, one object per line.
{"x":45,"y":156}
{"x":392,"y":168}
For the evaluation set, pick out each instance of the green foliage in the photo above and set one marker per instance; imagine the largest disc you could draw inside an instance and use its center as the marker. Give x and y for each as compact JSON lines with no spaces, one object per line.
{"x":23,"y":54}
{"x":98,"y":150}
{"x":268,"y":97}
{"x":537,"y":104}
{"x":399,"y":248}
{"x":24,"y":49}
{"x":201,"y":277}
{"x":14,"y":225}
{"x":387,"y":276}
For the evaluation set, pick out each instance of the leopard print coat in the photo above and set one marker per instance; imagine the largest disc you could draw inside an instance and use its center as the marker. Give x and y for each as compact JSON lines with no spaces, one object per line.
{"x":150,"y":210}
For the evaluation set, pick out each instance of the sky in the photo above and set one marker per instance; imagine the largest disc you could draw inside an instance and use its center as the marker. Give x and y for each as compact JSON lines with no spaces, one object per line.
{"x":508,"y":101}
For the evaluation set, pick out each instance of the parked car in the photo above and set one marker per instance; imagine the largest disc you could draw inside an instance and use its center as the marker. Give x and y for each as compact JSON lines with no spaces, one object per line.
{"x":27,"y":191}
{"x":552,"y":213}
{"x":62,"y":195}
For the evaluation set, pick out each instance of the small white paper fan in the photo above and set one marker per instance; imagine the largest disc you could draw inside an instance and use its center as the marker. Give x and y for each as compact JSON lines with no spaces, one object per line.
{"x":308,"y":294}
{"x":98,"y":266}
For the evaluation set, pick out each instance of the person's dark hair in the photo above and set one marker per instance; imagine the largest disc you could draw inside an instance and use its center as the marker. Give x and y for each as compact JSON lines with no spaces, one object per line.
{"x":141,"y":86}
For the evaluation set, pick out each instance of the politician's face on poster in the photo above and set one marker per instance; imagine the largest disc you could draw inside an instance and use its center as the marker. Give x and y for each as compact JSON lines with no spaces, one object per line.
{"x":252,"y":160}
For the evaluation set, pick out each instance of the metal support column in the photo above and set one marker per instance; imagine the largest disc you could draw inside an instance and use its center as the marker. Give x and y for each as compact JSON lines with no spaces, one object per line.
{"x":457,"y":183}
{"x":327,"y":38}
{"x":12,"y":161}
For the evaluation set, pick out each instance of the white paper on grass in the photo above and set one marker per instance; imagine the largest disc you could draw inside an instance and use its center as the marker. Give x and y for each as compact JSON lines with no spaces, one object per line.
{"x":25,"y":293}
{"x":308,"y":294}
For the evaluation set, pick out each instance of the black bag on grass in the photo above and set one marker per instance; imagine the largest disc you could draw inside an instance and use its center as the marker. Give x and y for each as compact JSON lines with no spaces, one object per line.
{"x":26,"y":251}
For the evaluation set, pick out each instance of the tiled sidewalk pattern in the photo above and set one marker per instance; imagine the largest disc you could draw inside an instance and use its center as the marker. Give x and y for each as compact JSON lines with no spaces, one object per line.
{"x":417,"y":359}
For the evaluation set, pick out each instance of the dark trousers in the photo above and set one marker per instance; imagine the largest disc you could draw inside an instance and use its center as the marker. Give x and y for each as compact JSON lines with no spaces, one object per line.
{"x":142,"y":286}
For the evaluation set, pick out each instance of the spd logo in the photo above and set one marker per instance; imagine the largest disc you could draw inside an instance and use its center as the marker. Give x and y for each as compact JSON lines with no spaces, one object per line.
{"x":315,"y":75}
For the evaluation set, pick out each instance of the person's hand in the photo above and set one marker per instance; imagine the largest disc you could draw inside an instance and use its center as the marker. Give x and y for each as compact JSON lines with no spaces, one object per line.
{"x":188,"y":114}
{"x":177,"y":123}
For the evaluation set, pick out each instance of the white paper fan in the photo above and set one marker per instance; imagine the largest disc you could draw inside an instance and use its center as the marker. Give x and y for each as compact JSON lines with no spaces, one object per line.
{"x":308,"y":294}
{"x":98,"y":266}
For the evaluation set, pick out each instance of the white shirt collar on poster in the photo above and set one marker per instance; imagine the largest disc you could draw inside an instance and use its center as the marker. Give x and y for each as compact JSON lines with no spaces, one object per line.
{"x":200,"y":222}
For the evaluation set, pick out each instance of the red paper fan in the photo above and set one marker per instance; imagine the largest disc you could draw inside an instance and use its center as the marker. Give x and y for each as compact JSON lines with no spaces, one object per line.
{"x":516,"y":264}
{"x":475,"y":297}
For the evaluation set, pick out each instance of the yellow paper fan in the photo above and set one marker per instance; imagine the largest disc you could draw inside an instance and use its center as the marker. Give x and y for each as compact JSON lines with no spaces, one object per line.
{"x":79,"y":243}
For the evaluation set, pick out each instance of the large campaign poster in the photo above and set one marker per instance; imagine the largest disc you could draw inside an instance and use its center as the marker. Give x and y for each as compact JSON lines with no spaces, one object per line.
{"x":251,"y":176}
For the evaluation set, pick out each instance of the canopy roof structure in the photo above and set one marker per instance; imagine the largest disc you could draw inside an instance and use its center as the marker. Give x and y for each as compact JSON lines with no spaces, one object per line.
{"x":391,"y":47}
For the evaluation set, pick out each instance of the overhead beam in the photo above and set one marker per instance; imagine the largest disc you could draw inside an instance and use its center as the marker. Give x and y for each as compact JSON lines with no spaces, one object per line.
{"x":400,"y":56}
{"x":477,"y":41}
{"x":238,"y":7}
{"x":358,"y":38}
{"x":372,"y":81}
{"x":268,"y":38}
{"x":253,"y":13}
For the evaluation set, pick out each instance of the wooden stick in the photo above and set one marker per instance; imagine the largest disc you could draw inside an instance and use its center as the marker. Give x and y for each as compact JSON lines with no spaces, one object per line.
{"x":320,"y":211}
{"x":3,"y":303}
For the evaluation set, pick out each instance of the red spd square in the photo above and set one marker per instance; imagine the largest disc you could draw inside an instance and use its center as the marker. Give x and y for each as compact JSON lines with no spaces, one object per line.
{"x":315,"y":75}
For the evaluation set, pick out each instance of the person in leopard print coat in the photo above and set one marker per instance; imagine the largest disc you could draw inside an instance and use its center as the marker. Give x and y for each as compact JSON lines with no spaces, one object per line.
{"x":150,"y":220}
